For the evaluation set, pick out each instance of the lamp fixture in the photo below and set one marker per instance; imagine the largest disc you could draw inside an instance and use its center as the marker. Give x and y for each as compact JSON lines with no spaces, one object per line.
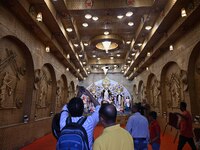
{"x":95,"y":18}
{"x":171,"y":48}
{"x":106,"y":45}
{"x":67,"y":69}
{"x":148,"y":28}
{"x":120,"y":16}
{"x":183,"y":12}
{"x":39,"y":17}
{"x":86,"y":44}
{"x":85,"y":24}
{"x":68,"y":56}
{"x":130,"y":23}
{"x":47,"y":49}
{"x":118,"y":55}
{"x":106,"y":33}
{"x":88,"y":16}
{"x":129,"y":14}
{"x":69,"y":29}
{"x":148,"y":54}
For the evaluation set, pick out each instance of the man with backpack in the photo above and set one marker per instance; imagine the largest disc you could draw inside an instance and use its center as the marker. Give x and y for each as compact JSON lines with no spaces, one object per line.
{"x":72,"y":115}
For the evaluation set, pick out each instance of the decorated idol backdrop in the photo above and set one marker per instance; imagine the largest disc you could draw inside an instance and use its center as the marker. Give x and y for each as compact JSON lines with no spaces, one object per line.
{"x":110,"y":91}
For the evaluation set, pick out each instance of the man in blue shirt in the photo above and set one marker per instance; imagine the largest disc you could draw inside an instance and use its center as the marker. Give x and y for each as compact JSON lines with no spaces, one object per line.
{"x":75,"y":108}
{"x":137,"y":126}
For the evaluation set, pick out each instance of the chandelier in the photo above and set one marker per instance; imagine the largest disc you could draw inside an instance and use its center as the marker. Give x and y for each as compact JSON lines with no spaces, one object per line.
{"x":107,"y":42}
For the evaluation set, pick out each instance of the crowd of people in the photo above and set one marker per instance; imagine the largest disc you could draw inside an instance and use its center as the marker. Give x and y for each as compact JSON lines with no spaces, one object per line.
{"x":142,"y":127}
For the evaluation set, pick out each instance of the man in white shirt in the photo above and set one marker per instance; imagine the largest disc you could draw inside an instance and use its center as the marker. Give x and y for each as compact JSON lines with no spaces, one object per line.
{"x":137,"y":126}
{"x":75,"y":108}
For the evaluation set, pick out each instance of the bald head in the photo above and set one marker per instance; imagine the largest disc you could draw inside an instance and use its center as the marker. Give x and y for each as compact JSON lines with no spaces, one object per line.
{"x":108,"y":112}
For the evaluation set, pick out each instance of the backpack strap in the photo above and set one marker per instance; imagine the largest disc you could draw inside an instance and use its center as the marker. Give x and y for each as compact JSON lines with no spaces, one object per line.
{"x":81,"y":120}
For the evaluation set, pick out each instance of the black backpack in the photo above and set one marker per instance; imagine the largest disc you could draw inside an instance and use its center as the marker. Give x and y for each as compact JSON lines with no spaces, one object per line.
{"x":73,"y":136}
{"x":55,"y":126}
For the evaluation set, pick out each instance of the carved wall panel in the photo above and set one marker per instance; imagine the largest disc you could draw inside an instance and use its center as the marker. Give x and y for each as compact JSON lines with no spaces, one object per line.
{"x":173,"y":86}
{"x":135,"y":94}
{"x":141,"y":91}
{"x":61,"y":93}
{"x":43,"y":89}
{"x":14,"y":80}
{"x":194,"y":80}
{"x":153,"y":91}
{"x":71,"y":90}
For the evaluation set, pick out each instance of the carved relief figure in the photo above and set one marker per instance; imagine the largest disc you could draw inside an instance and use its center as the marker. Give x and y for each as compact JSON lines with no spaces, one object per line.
{"x":175,"y":89}
{"x":9,"y":78}
{"x":155,"y":93}
{"x":41,"y":85}
{"x":59,"y":92}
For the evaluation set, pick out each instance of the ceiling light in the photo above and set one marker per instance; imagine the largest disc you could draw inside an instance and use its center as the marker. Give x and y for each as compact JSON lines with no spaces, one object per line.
{"x":111,"y":57}
{"x":39,"y":17}
{"x":133,"y":54}
{"x":118,"y":55}
{"x":69,"y":29}
{"x":85,"y":24}
{"x":94,"y":56}
{"x":129,"y":14}
{"x":130,"y":23}
{"x":115,"y":66}
{"x":128,"y":42}
{"x":148,"y":28}
{"x":84,"y":62}
{"x":88,"y":72}
{"x":86,"y":44}
{"x":76,"y":45}
{"x":122,"y":71}
{"x":78,"y":70}
{"x":183,"y":12}
{"x":139,"y":44}
{"x":106,"y":45}
{"x":106,"y":33}
{"x":171,"y":48}
{"x":148,"y":54}
{"x":128,"y":61}
{"x":68,"y":56}
{"x":95,"y":18}
{"x":47,"y":49}
{"x":98,"y":58}
{"x":67,"y":69}
{"x":87,"y":68}
{"x":88,"y":16}
{"x":120,"y":16}
{"x":127,"y":78}
{"x":147,"y":68}
{"x":134,"y":68}
{"x":80,"y":55}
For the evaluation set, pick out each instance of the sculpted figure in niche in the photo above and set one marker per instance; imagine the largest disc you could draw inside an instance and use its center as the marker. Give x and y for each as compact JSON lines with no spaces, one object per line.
{"x":175,"y":89}
{"x":59,"y":94}
{"x":8,"y":85}
{"x":155,"y":93}
{"x":41,"y":86}
{"x":9,"y":77}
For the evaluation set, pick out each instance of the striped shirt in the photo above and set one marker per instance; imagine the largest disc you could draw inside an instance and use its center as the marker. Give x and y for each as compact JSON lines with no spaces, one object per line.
{"x":89,"y":124}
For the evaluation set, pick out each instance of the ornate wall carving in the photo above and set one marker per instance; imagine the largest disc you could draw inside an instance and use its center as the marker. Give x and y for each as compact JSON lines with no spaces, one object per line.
{"x":43,"y":89}
{"x":61,"y":93}
{"x":175,"y":83}
{"x":13,"y":80}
